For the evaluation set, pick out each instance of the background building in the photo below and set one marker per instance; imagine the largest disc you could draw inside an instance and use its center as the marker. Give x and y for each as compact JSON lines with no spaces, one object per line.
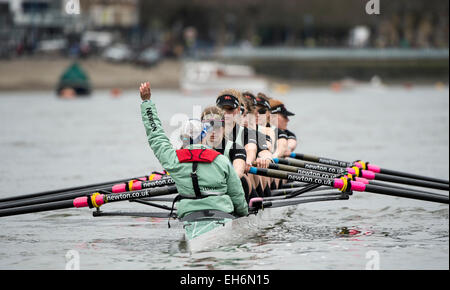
{"x":290,"y":39}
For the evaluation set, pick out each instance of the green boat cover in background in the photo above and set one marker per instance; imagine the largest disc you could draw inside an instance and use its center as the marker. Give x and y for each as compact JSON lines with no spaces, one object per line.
{"x":75,"y":77}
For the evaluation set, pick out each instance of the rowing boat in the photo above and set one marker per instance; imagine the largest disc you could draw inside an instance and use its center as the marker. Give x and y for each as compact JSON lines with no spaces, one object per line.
{"x":207,"y":230}
{"x":212,"y":229}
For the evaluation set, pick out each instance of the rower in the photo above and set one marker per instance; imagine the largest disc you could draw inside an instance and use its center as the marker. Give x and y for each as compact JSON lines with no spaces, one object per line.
{"x":231,"y":101}
{"x":279,"y":120}
{"x":249,"y":120}
{"x":216,"y":139}
{"x":263,"y":120}
{"x":237,"y":155}
{"x":205,"y":179}
{"x":262,"y":113}
{"x":257,"y":113}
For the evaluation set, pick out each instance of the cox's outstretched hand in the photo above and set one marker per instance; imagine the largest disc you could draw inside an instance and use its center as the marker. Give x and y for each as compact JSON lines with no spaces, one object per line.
{"x":145,"y":91}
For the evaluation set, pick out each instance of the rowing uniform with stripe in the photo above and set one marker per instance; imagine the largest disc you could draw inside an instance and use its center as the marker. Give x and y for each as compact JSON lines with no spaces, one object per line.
{"x":232,"y":150}
{"x":290,"y":135}
{"x":279,"y":134}
{"x":243,"y":136}
{"x":218,"y":181}
{"x":260,"y":130}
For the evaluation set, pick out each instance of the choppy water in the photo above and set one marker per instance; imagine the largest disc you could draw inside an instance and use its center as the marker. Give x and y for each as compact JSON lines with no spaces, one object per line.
{"x":47,"y":143}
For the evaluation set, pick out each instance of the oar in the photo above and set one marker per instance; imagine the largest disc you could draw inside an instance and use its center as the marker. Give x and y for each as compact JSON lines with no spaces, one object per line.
{"x":257,"y":203}
{"x":93,"y":200}
{"x":364,"y":165}
{"x":292,"y":192}
{"x":344,"y":184}
{"x":136,"y":185}
{"x":78,"y":188}
{"x":362,"y":173}
{"x":330,"y":175}
{"x":311,"y":166}
{"x":310,"y":172}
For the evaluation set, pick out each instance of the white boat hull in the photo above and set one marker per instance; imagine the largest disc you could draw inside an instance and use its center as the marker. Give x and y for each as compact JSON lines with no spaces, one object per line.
{"x":234,"y":231}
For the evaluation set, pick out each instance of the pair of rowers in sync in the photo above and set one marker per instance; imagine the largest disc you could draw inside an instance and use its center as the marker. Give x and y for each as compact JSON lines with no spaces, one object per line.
{"x":210,"y":170}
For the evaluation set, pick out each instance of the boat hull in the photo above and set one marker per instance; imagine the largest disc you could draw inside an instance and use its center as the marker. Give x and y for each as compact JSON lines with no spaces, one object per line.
{"x":203,"y":236}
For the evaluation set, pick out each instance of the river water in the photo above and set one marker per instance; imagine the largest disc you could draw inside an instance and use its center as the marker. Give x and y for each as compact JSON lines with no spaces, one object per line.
{"x":48,"y":143}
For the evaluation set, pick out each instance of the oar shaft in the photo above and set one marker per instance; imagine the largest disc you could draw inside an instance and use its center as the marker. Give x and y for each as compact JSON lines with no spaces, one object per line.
{"x":366,"y":173}
{"x":290,"y":202}
{"x":291,"y":176}
{"x":410,"y":181}
{"x":406,"y":193}
{"x":411,"y":175}
{"x":122,"y":187}
{"x":138,"y":185}
{"x":87,"y":201}
{"x":70,"y":189}
{"x":36,"y":208}
{"x":371,"y":167}
{"x":351,"y":185}
{"x":322,"y":160}
{"x":362,"y":173}
{"x":311,"y":166}
{"x":42,"y":199}
{"x":400,"y":187}
{"x":108,"y":198}
{"x":301,"y":170}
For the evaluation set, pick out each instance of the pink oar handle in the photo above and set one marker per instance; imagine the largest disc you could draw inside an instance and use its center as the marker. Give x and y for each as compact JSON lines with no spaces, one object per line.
{"x":118,"y":188}
{"x":80,"y":202}
{"x":373,"y":168}
{"x":134,"y":184}
{"x":354,"y":185}
{"x":83,"y":201}
{"x":370,"y":167}
{"x":255,"y":199}
{"x":367,"y":174}
{"x":362,"y":180}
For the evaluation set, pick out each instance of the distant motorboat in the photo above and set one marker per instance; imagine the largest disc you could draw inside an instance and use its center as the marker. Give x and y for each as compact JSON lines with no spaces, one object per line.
{"x":208,"y":76}
{"x":375,"y":84}
{"x":73,"y":82}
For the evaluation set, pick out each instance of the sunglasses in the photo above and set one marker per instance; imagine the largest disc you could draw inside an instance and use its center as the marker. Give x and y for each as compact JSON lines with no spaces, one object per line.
{"x":216,"y":124}
{"x":262,"y":111}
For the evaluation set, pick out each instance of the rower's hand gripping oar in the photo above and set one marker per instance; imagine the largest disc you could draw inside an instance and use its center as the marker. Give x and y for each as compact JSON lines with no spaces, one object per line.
{"x":346,"y":184}
{"x":365,"y":166}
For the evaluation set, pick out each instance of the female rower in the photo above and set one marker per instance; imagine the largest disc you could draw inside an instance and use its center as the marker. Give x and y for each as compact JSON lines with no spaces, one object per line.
{"x":230,"y":101}
{"x":237,"y":155}
{"x":262,"y":114}
{"x":249,"y":120}
{"x":204,"y":178}
{"x":279,"y":120}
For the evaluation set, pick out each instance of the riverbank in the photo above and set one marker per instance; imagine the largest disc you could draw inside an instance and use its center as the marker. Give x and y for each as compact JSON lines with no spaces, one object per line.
{"x":43,"y":74}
